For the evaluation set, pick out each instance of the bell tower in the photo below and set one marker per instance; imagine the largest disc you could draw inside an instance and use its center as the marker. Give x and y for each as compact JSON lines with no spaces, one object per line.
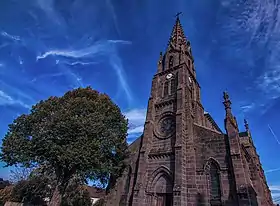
{"x":166,"y":166}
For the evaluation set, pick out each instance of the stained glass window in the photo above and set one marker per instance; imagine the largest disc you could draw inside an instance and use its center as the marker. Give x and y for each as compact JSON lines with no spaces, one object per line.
{"x":215,"y":187}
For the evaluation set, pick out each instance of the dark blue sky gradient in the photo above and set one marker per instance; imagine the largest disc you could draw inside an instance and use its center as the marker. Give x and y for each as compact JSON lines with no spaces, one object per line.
{"x":50,"y":46}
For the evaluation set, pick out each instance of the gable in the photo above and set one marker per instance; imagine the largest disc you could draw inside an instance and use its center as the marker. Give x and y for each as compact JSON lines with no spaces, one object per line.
{"x":210,"y":123}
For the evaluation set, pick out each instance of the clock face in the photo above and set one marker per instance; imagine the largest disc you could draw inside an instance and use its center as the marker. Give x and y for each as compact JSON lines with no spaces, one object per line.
{"x":167,"y":126}
{"x":168,"y":76}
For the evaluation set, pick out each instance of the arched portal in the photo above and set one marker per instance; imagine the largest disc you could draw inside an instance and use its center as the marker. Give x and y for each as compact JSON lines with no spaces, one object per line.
{"x":160,"y":187}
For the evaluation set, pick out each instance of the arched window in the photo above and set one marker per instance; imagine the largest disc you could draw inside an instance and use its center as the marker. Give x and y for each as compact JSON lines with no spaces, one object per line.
{"x":215,"y":187}
{"x":128,"y":179}
{"x":170,"y":62}
{"x":173,"y":86}
{"x":166,"y":88}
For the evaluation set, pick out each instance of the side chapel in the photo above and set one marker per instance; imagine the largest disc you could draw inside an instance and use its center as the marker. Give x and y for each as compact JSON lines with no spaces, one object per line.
{"x":183,"y":158}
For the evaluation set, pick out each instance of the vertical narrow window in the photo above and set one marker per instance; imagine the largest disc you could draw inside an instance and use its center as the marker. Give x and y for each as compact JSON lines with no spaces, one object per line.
{"x":127,"y":183}
{"x":215,"y":187}
{"x":166,"y":88}
{"x":173,"y":86}
{"x":192,"y":90}
{"x":176,"y":79}
{"x":163,"y":62}
{"x":170,"y":62}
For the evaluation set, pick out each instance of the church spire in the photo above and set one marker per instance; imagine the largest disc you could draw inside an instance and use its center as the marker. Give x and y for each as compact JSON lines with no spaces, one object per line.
{"x":229,"y":115}
{"x":177,"y":38}
{"x":246,"y":125}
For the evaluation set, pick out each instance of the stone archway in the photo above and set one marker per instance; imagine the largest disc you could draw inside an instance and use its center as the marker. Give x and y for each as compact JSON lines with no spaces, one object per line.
{"x":160,"y":188}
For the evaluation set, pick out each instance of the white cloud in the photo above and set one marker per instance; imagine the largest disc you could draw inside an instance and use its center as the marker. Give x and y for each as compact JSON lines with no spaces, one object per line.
{"x":6,"y":99}
{"x":106,"y":48}
{"x":269,"y":83}
{"x":113,"y":13}
{"x":274,"y":187}
{"x":138,"y":129}
{"x":136,"y":119}
{"x":248,"y":107}
{"x":9,"y":36}
{"x":20,"y":60}
{"x":136,"y":116}
{"x":80,"y":62}
{"x":47,"y":6}
{"x":275,"y":192}
{"x":272,"y":170}
{"x":273,"y":134}
{"x":99,"y":48}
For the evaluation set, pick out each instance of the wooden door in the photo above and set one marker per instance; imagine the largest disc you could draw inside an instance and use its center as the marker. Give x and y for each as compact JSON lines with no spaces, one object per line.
{"x":164,"y":200}
{"x":160,"y":200}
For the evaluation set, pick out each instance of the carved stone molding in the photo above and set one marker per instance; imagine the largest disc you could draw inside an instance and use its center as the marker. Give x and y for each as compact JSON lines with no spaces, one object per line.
{"x":177,"y":188}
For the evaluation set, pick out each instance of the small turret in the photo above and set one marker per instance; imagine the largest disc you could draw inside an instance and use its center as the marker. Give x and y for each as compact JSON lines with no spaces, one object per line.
{"x":246,"y":125}
{"x":230,"y":120}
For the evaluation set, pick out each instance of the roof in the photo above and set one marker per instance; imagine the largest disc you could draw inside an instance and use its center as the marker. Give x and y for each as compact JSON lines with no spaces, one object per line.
{"x":135,"y":145}
{"x":208,"y":116}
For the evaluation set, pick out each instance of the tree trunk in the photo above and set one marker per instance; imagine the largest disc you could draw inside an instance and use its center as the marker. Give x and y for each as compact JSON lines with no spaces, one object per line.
{"x":56,"y":197}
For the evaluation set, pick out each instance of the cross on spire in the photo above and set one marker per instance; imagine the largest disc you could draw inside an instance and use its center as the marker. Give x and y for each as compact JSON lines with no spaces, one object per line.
{"x":178,"y":14}
{"x":177,"y":37}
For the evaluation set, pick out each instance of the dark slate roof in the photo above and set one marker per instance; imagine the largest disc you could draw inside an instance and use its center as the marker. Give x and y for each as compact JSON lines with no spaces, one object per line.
{"x":133,"y":147}
{"x":209,"y":117}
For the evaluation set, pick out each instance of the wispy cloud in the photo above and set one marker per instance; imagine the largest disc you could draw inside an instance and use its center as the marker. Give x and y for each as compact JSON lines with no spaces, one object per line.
{"x":80,"y":63}
{"x":274,"y":187}
{"x":136,"y":119}
{"x":252,"y":27}
{"x":20,"y":60}
{"x":269,"y":83}
{"x":272,"y":170}
{"x":101,"y":48}
{"x":138,"y":129}
{"x":48,"y":8}
{"x":47,"y":76}
{"x":6,"y":99}
{"x":273,"y":134}
{"x":9,"y":36}
{"x":136,"y":116}
{"x":275,"y":192}
{"x":113,"y":13}
{"x":248,"y":107}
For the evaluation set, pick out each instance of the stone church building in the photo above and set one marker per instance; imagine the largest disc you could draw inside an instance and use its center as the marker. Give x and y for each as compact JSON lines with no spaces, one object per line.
{"x":183,"y":157}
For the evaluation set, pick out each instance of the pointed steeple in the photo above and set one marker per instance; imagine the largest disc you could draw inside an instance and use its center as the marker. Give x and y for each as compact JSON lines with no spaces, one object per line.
{"x":227,"y":103}
{"x":177,"y":38}
{"x":246,"y":125}
{"x":160,"y":58}
{"x":229,"y":115}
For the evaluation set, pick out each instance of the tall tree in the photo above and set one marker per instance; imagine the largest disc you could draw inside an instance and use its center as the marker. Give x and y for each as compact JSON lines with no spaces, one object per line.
{"x":81,"y":133}
{"x":19,"y":173}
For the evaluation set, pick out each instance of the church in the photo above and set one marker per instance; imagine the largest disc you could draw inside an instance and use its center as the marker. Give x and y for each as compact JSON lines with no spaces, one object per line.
{"x":183,"y":158}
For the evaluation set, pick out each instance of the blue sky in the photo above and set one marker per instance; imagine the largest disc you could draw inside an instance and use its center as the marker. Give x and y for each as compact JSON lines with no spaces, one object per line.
{"x":48,"y":47}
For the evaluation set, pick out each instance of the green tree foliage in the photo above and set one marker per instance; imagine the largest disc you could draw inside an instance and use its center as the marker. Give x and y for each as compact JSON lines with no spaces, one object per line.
{"x":32,"y":191}
{"x":76,"y":194}
{"x":82,"y":132}
{"x":35,"y":189}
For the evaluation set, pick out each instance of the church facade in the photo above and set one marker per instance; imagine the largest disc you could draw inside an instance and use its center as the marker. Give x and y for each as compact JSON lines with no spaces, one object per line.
{"x":183,"y":157}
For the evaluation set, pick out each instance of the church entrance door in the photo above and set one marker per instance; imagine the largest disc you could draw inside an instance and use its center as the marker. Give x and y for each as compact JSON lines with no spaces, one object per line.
{"x":164,"y":199}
